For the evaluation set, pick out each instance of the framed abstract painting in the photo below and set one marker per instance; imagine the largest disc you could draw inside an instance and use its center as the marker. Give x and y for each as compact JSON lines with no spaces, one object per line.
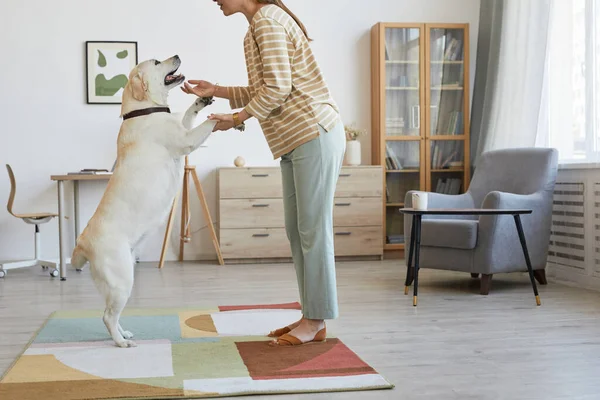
{"x":107,"y":70}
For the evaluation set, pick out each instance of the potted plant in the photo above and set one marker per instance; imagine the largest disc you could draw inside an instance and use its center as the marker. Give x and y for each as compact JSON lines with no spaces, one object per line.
{"x":352,"y":144}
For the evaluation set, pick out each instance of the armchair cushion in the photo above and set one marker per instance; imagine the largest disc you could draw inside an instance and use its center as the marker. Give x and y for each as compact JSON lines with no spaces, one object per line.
{"x":439,"y":200}
{"x":451,"y":233}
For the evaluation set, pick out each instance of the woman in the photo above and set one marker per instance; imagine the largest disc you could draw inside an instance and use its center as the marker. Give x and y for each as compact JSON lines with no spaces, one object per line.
{"x":287,"y":94}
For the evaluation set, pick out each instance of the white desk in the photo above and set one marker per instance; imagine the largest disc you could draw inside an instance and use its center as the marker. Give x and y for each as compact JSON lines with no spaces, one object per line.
{"x":76,"y":178}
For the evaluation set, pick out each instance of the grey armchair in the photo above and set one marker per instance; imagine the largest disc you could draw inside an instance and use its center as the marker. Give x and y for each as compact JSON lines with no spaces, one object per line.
{"x":488,"y":245}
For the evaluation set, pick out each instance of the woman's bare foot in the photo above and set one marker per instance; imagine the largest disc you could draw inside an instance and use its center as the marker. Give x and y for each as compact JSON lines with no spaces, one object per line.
{"x":306,"y":330}
{"x":284,"y":330}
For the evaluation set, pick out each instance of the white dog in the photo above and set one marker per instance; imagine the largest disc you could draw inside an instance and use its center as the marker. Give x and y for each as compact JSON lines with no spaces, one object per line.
{"x":152,"y":144}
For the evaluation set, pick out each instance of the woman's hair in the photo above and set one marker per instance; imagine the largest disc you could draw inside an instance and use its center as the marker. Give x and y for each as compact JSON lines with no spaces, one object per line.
{"x":280,"y":4}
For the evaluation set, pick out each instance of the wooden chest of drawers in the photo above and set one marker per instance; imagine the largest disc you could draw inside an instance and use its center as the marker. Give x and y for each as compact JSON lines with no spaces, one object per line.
{"x":251,"y":219}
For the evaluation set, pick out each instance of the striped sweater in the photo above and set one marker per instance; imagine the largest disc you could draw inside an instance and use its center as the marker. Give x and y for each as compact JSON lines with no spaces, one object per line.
{"x":286,"y":92}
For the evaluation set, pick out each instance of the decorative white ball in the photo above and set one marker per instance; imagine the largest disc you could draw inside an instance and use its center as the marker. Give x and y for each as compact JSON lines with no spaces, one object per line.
{"x":239,"y":161}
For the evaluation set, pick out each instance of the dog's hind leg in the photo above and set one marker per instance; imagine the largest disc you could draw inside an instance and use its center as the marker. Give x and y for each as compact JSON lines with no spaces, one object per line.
{"x":114,"y":278}
{"x":123,"y":332}
{"x":114,"y":306}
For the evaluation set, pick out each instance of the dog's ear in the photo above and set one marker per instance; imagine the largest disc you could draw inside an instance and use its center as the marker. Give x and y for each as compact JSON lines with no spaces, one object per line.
{"x":138,"y":87}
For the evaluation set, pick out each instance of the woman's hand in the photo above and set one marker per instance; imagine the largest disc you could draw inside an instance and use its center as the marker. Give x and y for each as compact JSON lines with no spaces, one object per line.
{"x":225,"y":121}
{"x":202,"y":88}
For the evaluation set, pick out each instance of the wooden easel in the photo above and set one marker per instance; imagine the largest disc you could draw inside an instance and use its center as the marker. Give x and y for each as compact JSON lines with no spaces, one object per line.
{"x":185,"y":216}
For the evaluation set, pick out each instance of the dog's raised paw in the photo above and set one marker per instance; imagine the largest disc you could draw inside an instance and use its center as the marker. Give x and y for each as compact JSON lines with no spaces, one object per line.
{"x":127,"y":343}
{"x":127,"y":334}
{"x":205,"y":101}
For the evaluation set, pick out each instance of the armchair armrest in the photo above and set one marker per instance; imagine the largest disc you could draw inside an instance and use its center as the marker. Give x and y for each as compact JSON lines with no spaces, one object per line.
{"x":440,"y":200}
{"x":498,"y":248}
{"x":498,"y":200}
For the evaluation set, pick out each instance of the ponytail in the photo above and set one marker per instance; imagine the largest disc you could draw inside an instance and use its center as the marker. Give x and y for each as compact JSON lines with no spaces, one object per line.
{"x":279,"y":3}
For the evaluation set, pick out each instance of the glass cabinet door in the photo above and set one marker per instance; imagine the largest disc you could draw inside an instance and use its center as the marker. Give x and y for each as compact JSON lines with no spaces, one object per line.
{"x":404,"y":147}
{"x":446,"y":131}
{"x":403,"y":82}
{"x":446,"y":82}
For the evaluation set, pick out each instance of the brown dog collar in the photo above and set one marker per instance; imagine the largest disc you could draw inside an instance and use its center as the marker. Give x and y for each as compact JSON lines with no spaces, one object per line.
{"x":146,"y":111}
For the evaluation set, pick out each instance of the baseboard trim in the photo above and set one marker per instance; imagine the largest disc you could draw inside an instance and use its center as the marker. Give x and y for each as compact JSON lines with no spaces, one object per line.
{"x":570,"y":277}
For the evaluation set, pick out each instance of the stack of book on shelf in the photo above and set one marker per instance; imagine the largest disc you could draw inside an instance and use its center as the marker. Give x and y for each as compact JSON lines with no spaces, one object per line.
{"x":447,"y":48}
{"x":448,"y":186}
{"x":446,"y":153}
{"x":454,"y":126}
{"x":451,"y":125}
{"x":391,"y":160}
{"x":395,"y":239}
{"x":453,"y":50}
{"x":394,"y":126}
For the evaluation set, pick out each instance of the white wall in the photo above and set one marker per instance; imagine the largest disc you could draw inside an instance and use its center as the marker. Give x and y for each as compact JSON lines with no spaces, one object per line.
{"x":47,"y":127}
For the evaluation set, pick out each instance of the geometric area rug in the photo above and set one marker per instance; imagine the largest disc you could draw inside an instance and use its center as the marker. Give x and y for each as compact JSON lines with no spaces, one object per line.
{"x":182,"y":353}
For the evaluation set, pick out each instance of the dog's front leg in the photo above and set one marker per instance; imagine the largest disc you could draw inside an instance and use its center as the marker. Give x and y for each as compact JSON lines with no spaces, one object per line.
{"x":195,"y":137}
{"x":192,"y":112}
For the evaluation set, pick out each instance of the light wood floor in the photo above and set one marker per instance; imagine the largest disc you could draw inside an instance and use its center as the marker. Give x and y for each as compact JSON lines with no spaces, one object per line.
{"x":455,"y":345}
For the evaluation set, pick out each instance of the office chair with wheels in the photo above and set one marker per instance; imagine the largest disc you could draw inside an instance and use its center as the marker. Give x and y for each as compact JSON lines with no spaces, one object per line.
{"x":34,"y":219}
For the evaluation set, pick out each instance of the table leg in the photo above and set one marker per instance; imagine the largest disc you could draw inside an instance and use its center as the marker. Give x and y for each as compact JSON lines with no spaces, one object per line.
{"x":76,"y":208}
{"x":417,"y":251}
{"x":61,"y":240}
{"x":526,"y":254}
{"x":410,"y":256}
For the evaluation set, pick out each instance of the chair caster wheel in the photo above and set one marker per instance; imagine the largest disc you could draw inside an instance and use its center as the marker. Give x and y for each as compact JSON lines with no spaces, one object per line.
{"x":54,"y":273}
{"x":2,"y":273}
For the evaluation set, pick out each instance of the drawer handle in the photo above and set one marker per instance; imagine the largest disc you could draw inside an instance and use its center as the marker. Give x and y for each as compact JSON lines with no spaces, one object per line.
{"x":260,"y":175}
{"x":343,"y":233}
{"x":260,"y":235}
{"x":260,"y":205}
{"x":343,"y":204}
{"x":345,"y":175}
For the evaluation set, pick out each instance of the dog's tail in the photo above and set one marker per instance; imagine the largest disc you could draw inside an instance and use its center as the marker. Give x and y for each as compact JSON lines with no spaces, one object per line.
{"x":78,"y":259}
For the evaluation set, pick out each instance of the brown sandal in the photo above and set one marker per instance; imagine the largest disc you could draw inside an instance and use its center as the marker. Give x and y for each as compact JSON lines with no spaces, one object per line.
{"x":287,"y":340}
{"x":279,"y":332}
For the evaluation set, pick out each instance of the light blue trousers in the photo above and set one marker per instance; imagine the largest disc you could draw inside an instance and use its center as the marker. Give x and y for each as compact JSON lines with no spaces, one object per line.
{"x":310,"y":173}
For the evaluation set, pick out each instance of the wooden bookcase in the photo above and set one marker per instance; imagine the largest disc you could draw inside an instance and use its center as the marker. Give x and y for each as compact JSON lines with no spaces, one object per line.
{"x":420,"y":113}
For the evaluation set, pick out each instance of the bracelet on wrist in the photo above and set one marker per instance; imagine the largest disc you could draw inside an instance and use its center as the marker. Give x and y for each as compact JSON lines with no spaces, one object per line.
{"x":240,"y":126}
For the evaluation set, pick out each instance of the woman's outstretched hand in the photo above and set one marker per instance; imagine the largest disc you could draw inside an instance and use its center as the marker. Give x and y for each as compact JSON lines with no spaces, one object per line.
{"x":201,"y":88}
{"x":225,"y":121}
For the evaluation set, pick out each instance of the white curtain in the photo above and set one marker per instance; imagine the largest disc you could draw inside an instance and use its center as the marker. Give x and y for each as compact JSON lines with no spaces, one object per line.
{"x":514,"y":113}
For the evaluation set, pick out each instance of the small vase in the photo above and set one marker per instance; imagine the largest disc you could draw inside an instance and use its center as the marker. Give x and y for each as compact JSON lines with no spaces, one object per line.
{"x":353,"y":152}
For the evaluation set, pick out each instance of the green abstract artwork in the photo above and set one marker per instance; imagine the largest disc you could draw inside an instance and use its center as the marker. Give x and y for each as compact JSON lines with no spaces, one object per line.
{"x":105,"y":87}
{"x":108,"y":67}
{"x":101,"y":59}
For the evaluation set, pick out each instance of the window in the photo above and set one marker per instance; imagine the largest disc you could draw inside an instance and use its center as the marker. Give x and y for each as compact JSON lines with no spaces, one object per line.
{"x":573,"y":81}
